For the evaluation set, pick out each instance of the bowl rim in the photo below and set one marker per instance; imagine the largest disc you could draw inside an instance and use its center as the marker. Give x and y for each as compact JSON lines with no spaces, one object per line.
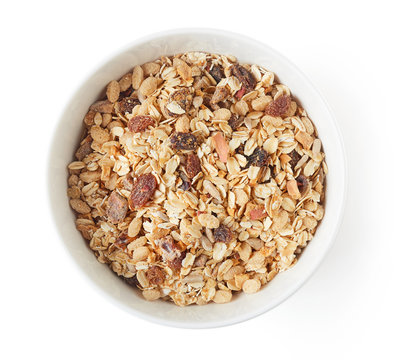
{"x":238,"y":37}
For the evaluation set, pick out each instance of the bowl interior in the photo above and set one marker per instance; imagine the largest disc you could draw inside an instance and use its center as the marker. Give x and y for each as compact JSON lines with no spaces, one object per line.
{"x":66,"y":139}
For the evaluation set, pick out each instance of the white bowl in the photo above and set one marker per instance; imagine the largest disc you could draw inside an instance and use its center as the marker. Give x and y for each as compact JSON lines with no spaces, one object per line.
{"x":65,"y":141}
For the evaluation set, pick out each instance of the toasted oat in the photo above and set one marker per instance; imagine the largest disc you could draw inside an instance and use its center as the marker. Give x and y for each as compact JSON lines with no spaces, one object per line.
{"x":197,"y":177}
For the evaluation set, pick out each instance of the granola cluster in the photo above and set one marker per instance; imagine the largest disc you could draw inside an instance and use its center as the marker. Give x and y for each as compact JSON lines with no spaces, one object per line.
{"x":197,"y":177}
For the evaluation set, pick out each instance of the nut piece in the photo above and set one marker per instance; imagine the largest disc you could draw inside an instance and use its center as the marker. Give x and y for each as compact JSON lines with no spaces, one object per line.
{"x":117,"y":207}
{"x":140,"y":123}
{"x":259,"y":158}
{"x":223,"y":234}
{"x":113,"y":91}
{"x":279,"y":107}
{"x":292,"y":189}
{"x":142,"y":191}
{"x":183,"y":141}
{"x":171,"y":254}
{"x":155,"y":275}
{"x":193,"y":165}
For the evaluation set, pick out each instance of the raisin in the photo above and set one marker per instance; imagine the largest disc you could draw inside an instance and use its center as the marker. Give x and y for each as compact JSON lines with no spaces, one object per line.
{"x":170,"y":252}
{"x":126,"y":94}
{"x":133,"y":281}
{"x":223,"y":234}
{"x":258,"y":158}
{"x":140,"y":123}
{"x":302,"y":184}
{"x":295,"y":158}
{"x":235,"y":121}
{"x":186,"y":183}
{"x":126,"y":105}
{"x":155,"y":275}
{"x":117,"y":207}
{"x":278,"y":107}
{"x":193,"y":165}
{"x":245,"y":77}
{"x":142,"y":191}
{"x":217,"y":73}
{"x":122,"y":240}
{"x":84,"y":150}
{"x":182,"y":97}
{"x":221,"y":93}
{"x":183,"y":141}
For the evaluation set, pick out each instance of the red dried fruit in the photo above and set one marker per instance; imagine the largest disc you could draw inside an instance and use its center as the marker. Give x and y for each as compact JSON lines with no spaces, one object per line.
{"x":217,"y":73}
{"x":183,"y":141}
{"x":239,"y":94}
{"x":235,"y":121}
{"x":245,"y":77}
{"x":170,"y":252}
{"x":140,"y":123}
{"x":302,"y":184}
{"x":221,"y":93}
{"x":193,"y":165}
{"x":142,"y":191}
{"x":84,"y":150}
{"x":117,"y":207}
{"x":223,"y":234}
{"x":258,"y":158}
{"x":279,"y":107}
{"x":123,"y":240}
{"x":182,"y":97}
{"x":126,"y":105}
{"x":155,"y":275}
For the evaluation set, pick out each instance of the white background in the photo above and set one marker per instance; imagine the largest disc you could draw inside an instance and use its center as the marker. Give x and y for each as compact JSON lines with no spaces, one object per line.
{"x":345,"y":311}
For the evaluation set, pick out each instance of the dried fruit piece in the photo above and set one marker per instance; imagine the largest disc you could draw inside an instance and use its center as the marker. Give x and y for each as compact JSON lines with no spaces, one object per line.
{"x":140,"y":123}
{"x":122,"y":240}
{"x":222,"y":234}
{"x":84,"y":150}
{"x":221,"y":146}
{"x":302,"y":184}
{"x":126,"y":105}
{"x":186,"y":183}
{"x":217,"y":72}
{"x":279,"y":107}
{"x":183,"y":141}
{"x":180,"y":99}
{"x":113,"y":91}
{"x":221,"y":93}
{"x":193,"y":165}
{"x":117,"y":207}
{"x":295,"y":158}
{"x":258,"y":158}
{"x":142,"y":191}
{"x":155,"y":275}
{"x":235,"y":121}
{"x":245,"y":77}
{"x":170,"y":252}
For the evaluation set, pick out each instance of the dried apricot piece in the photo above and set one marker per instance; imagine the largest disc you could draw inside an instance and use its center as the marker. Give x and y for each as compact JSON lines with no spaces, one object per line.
{"x":183,"y":141}
{"x":279,"y":107}
{"x":222,"y":234}
{"x":142,"y":191}
{"x":221,"y":146}
{"x":117,"y":207}
{"x":193,"y":165}
{"x":140,"y":123}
